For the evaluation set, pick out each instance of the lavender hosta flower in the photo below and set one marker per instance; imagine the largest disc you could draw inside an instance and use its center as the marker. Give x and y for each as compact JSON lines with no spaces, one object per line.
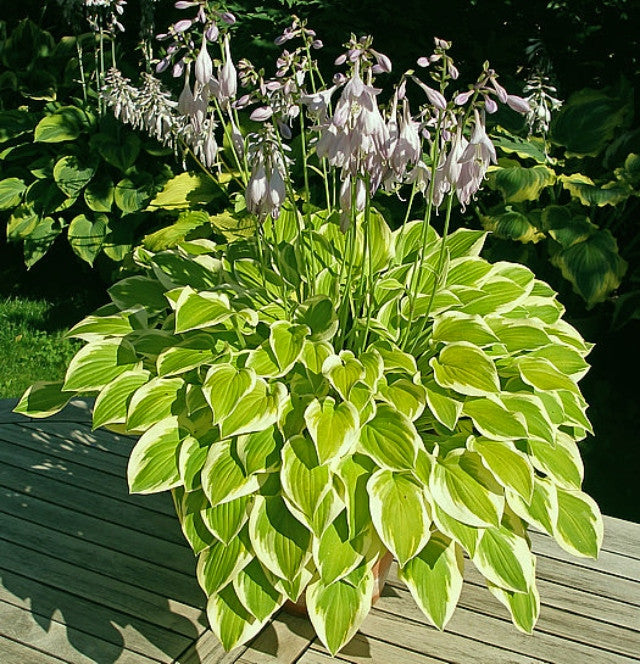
{"x":518,"y":104}
{"x":227,"y":76}
{"x":463,"y":97}
{"x":186,"y":98}
{"x":318,"y":103}
{"x":435,"y":97}
{"x":206,"y":148}
{"x":407,"y":147}
{"x":204,"y":65}
{"x":490,"y":105}
{"x":383,"y":62}
{"x":474,"y":161}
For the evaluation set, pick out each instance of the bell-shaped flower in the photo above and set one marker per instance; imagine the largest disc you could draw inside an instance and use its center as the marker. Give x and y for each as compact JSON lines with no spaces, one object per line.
{"x":474,"y":162}
{"x":186,"y":99}
{"x":228,"y":76}
{"x":204,"y":65}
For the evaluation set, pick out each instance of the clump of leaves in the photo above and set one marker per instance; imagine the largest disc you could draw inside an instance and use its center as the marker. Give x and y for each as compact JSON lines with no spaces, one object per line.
{"x":571,"y":189}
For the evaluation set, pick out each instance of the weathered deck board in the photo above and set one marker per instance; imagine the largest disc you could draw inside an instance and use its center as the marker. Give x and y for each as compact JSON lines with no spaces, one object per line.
{"x":89,"y":573}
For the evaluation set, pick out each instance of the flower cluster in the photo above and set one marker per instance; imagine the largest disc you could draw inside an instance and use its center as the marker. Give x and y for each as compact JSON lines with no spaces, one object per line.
{"x":542,"y":102}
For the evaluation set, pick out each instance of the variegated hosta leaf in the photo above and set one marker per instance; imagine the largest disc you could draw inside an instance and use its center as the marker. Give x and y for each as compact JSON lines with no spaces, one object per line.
{"x":256,"y":590}
{"x":191,"y":459}
{"x":314,"y":353}
{"x":286,"y":342}
{"x":579,"y":528}
{"x":523,"y":607}
{"x":434,"y":578}
{"x":333,"y":429}
{"x":462,"y":489}
{"x":305,"y":481}
{"x":542,"y":508}
{"x":280,"y":541}
{"x":195,"y":311}
{"x":259,"y":451}
{"x":465,"y":368}
{"x":219,"y":564}
{"x":518,"y":183}
{"x":442,"y":405}
{"x":98,"y":363}
{"x":223,"y":478}
{"x":390,"y":439}
{"x":406,"y":396}
{"x":224,"y":386}
{"x":343,"y":371}
{"x":193,"y":526}
{"x":512,"y":225}
{"x":466,"y":536}
{"x":337,"y":610}
{"x":505,"y":559}
{"x":258,"y":409}
{"x":153,"y":464}
{"x":152,"y":402}
{"x":112,"y":403}
{"x":227,"y":519}
{"x":334,"y":553}
{"x":399,"y":513}
{"x":454,"y":326}
{"x":230,"y":620}
{"x":533,"y":411}
{"x":354,"y":473}
{"x":179,"y":360}
{"x":561,"y":462}
{"x":509,"y":466}
{"x":43,"y":399}
{"x":494,"y":420}
{"x":589,"y":193}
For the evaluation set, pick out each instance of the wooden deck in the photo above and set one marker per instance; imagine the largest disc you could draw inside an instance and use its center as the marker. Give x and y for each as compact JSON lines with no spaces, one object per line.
{"x":91,"y":574}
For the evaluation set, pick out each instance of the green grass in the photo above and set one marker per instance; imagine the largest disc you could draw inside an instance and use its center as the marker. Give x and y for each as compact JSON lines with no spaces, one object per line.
{"x":32,"y":344}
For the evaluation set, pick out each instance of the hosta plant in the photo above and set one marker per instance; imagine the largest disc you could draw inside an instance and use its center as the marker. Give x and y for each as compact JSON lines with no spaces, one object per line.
{"x":329,"y":390}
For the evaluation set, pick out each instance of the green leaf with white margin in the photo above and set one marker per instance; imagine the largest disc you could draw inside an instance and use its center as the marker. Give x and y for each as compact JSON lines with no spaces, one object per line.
{"x":511,"y":224}
{"x":230,"y":621}
{"x":226,"y":520}
{"x":190,"y":462}
{"x":464,"y":242}
{"x":444,"y":408}
{"x":153,"y":464}
{"x":523,"y":607}
{"x":286,"y":342}
{"x":219,"y":564}
{"x":542,"y":375}
{"x":579,"y":528}
{"x":505,"y":559}
{"x":152,"y":402}
{"x":518,"y":183}
{"x":258,"y":409}
{"x":434,"y":578}
{"x":337,"y":610}
{"x":280,"y":541}
{"x":11,"y":192}
{"x":71,"y":175}
{"x":198,"y":310}
{"x":179,"y":360}
{"x":304,"y":480}
{"x":94,"y":327}
{"x":139,"y":291}
{"x":256,"y":590}
{"x":466,"y":369}
{"x":459,"y":488}
{"x":494,"y":420}
{"x":314,"y":353}
{"x":534,"y":412}
{"x":565,"y":359}
{"x":259,"y":452}
{"x":335,"y":555}
{"x":112,"y":403}
{"x":561,"y":462}
{"x":399,"y":513}
{"x":390,"y":439}
{"x":406,"y":396}
{"x":466,"y":536}
{"x":354,"y":472}
{"x":223,"y":477}
{"x":454,"y":326}
{"x":373,"y":367}
{"x":509,"y":466}
{"x":333,"y":429}
{"x":520,"y":335}
{"x":542,"y":509}
{"x":343,"y":371}
{"x":98,"y":363}
{"x":186,"y":190}
{"x":575,"y":409}
{"x":43,"y":399}
{"x":224,"y":386}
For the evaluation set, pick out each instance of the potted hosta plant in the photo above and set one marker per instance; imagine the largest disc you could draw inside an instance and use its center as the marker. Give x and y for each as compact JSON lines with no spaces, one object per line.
{"x":324,"y":390}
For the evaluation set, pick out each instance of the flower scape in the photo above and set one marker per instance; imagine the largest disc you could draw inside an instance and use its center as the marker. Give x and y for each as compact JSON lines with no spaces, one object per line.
{"x":315,"y":388}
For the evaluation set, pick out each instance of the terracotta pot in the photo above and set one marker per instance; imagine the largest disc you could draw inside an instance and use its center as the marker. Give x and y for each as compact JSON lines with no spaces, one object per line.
{"x":380,"y":573}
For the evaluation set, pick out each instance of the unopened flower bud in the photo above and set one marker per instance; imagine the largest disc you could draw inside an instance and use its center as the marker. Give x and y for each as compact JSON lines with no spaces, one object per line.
{"x":462,"y":98}
{"x":261,"y":114}
{"x":212,"y":33}
{"x":182,"y":25}
{"x":490,"y":105}
{"x":518,"y":104}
